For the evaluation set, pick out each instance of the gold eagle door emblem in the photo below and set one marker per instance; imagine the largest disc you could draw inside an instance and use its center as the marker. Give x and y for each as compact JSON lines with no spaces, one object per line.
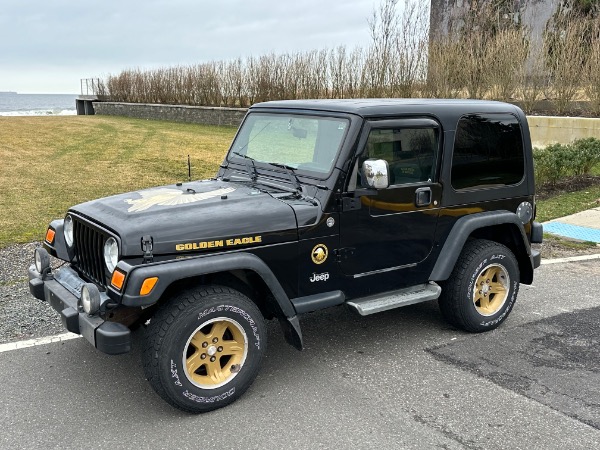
{"x":170,"y":197}
{"x":319,"y":254}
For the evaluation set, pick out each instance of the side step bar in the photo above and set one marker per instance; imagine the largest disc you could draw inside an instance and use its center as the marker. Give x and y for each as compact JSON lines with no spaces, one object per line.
{"x":395,"y":299}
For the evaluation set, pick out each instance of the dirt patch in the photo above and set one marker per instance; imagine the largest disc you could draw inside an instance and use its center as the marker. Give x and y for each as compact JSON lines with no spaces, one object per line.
{"x":555,"y":247}
{"x":570,"y":184}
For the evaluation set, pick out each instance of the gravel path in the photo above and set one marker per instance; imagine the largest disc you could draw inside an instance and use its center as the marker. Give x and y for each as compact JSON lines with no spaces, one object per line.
{"x":21,"y":315}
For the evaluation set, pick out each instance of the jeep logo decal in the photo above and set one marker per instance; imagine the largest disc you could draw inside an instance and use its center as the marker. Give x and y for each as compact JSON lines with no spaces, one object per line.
{"x":319,"y":277}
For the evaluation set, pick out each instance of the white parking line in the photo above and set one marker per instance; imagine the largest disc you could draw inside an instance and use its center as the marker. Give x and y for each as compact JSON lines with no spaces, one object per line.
{"x":39,"y":341}
{"x":571,"y":259}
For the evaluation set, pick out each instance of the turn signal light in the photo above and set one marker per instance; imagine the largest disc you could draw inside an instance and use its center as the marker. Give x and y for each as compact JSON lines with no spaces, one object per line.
{"x":117,"y":280}
{"x":148,"y":285}
{"x":50,"y":235}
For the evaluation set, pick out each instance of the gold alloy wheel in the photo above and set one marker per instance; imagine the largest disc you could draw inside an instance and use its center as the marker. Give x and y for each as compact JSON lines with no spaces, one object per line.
{"x":215,"y":353}
{"x":491,"y":289}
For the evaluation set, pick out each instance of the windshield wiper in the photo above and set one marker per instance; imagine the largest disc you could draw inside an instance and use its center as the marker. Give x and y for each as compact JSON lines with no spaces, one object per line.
{"x":250,"y":166}
{"x":291,"y":172}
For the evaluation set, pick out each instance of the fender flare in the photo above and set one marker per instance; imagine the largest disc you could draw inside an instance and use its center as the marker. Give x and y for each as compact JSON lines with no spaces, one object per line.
{"x":171,"y":271}
{"x":461,"y":231}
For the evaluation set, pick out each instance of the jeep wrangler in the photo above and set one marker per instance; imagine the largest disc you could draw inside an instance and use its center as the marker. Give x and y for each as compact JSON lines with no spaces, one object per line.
{"x":372,"y":204}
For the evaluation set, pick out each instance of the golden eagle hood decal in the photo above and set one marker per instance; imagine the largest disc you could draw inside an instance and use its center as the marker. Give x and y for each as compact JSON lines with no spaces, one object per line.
{"x":170,"y":197}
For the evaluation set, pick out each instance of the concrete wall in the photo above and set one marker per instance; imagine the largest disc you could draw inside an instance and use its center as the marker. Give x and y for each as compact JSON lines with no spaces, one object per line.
{"x":177,"y":113}
{"x":547,"y":130}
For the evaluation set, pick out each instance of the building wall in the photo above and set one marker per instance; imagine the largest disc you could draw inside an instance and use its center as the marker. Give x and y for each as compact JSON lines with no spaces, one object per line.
{"x":533,"y":14}
{"x":177,"y":113}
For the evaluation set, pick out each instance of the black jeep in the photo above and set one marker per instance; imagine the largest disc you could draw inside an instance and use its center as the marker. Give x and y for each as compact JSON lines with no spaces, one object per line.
{"x":372,"y":204}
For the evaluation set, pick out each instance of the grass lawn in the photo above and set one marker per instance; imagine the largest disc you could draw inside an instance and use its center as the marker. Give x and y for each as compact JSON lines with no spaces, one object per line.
{"x":51,"y":163}
{"x":566,"y":203}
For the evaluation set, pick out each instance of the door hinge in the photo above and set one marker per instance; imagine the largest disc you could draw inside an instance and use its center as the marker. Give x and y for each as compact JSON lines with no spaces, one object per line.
{"x":147,"y":249}
{"x":343,"y":253}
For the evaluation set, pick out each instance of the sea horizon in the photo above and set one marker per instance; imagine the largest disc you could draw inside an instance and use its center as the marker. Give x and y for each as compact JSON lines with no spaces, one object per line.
{"x":14,"y":103}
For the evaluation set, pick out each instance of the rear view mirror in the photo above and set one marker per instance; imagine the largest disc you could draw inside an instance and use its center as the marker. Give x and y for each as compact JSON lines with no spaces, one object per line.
{"x":300,"y":133}
{"x":376,"y":173}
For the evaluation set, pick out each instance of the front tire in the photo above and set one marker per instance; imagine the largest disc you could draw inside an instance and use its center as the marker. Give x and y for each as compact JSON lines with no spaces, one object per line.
{"x":203,"y":348}
{"x":482,"y":288}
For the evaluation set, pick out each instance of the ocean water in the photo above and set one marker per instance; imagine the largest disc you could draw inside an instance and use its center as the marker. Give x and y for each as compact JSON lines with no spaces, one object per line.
{"x":13,"y":104}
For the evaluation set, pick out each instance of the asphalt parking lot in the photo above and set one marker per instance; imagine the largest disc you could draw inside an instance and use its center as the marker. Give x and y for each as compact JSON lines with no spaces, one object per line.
{"x":401,"y":379}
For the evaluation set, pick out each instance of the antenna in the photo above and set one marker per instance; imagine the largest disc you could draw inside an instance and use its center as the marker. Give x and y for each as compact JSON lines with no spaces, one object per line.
{"x":189,"y":169}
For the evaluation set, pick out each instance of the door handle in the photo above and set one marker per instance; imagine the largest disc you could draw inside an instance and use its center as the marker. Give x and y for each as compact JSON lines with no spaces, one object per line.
{"x":423,"y":196}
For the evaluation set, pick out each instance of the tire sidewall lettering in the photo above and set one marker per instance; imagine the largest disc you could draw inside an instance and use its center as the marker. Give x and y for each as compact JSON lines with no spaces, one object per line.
{"x":494,"y":320}
{"x":178,"y":381}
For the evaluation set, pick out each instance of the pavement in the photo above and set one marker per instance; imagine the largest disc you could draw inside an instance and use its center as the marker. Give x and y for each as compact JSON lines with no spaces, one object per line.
{"x":399,"y":379}
{"x":583,"y":226}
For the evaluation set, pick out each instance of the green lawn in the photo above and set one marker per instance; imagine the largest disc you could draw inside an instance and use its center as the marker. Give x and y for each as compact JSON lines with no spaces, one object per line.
{"x":567,"y":203}
{"x":51,"y":163}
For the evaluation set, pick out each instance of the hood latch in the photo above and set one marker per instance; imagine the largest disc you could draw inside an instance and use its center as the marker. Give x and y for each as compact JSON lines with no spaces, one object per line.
{"x":147,"y":249}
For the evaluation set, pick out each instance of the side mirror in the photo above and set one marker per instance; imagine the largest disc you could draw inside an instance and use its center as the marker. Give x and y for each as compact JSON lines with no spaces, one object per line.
{"x":377,"y":173}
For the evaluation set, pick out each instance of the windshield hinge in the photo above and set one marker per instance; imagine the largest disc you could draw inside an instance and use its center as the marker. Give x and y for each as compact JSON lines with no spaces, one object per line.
{"x":147,"y":249}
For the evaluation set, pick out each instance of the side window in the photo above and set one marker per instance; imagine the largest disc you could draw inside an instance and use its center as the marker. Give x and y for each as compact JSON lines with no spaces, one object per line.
{"x":409,"y":152}
{"x":488,"y":151}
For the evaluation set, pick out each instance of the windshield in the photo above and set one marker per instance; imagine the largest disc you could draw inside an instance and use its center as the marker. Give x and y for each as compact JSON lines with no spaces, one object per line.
{"x":303,"y":143}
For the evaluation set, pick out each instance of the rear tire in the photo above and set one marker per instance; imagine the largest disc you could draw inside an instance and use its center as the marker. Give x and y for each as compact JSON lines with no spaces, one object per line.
{"x":482,"y":289}
{"x":203,"y":348}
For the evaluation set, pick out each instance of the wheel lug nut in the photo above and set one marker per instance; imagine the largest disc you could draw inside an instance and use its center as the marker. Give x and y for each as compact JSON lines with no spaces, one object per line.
{"x":481,"y":292}
{"x":213,"y":359}
{"x":220,"y":349}
{"x":204,"y":344}
{"x":203,"y":356}
{"x":215,"y":340}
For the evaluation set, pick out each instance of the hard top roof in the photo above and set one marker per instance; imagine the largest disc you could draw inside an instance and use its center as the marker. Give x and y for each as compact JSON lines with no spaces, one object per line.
{"x":383,"y":106}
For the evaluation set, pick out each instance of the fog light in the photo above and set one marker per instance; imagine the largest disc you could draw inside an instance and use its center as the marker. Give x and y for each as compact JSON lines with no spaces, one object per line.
{"x":90,"y":298}
{"x":41,"y":260}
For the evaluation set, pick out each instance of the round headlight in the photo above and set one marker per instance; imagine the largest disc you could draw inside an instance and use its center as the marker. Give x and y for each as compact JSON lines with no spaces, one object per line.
{"x":68,"y":230}
{"x":90,"y":298}
{"x":111,"y":254}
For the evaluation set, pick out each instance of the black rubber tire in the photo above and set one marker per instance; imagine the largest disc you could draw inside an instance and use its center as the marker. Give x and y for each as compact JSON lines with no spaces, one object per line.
{"x":456,"y":300}
{"x":169,"y":331}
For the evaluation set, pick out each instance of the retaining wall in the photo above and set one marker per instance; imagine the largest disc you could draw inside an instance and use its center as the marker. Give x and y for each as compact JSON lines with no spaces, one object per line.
{"x":545,"y":130}
{"x":177,"y":113}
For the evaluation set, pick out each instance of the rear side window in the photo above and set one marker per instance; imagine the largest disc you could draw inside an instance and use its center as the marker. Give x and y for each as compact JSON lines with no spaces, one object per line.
{"x":488,"y":151}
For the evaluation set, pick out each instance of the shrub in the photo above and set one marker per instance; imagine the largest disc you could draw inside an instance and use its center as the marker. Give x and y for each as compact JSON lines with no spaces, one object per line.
{"x":586,"y":154}
{"x":552,"y":163}
{"x":558,"y":161}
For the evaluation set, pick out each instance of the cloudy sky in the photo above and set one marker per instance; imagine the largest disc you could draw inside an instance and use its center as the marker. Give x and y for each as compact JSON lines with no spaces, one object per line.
{"x":46,"y":46}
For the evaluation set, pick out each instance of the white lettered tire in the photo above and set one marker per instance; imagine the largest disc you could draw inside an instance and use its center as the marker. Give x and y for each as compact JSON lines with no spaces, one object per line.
{"x":203,"y":348}
{"x":483,"y":287}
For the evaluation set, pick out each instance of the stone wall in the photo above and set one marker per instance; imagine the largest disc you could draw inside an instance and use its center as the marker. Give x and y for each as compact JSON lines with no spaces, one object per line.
{"x":177,"y":113}
{"x":545,"y":130}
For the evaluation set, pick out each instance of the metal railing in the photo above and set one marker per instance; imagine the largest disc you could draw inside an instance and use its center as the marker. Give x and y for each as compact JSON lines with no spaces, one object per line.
{"x":90,"y":86}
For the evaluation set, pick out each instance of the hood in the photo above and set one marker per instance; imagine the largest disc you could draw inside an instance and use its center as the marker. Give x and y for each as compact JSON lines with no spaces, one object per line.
{"x":193,"y":217}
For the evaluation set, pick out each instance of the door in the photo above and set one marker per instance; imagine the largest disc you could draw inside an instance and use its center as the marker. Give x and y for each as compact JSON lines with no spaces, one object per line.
{"x":393,"y":228}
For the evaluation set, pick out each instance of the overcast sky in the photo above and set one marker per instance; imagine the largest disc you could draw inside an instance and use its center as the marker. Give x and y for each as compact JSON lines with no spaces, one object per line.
{"x":46,"y":46}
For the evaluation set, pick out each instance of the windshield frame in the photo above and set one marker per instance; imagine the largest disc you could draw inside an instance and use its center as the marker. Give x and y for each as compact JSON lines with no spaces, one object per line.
{"x":265,"y":167}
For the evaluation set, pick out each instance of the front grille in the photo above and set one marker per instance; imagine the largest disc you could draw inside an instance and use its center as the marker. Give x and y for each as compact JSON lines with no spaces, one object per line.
{"x":89,"y":251}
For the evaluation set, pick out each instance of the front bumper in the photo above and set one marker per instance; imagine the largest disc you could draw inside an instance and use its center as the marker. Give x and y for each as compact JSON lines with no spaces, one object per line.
{"x":62,"y":293}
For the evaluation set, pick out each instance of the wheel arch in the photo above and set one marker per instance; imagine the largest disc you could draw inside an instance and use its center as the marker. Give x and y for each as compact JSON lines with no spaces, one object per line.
{"x":503,"y":227}
{"x":244,"y":272}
